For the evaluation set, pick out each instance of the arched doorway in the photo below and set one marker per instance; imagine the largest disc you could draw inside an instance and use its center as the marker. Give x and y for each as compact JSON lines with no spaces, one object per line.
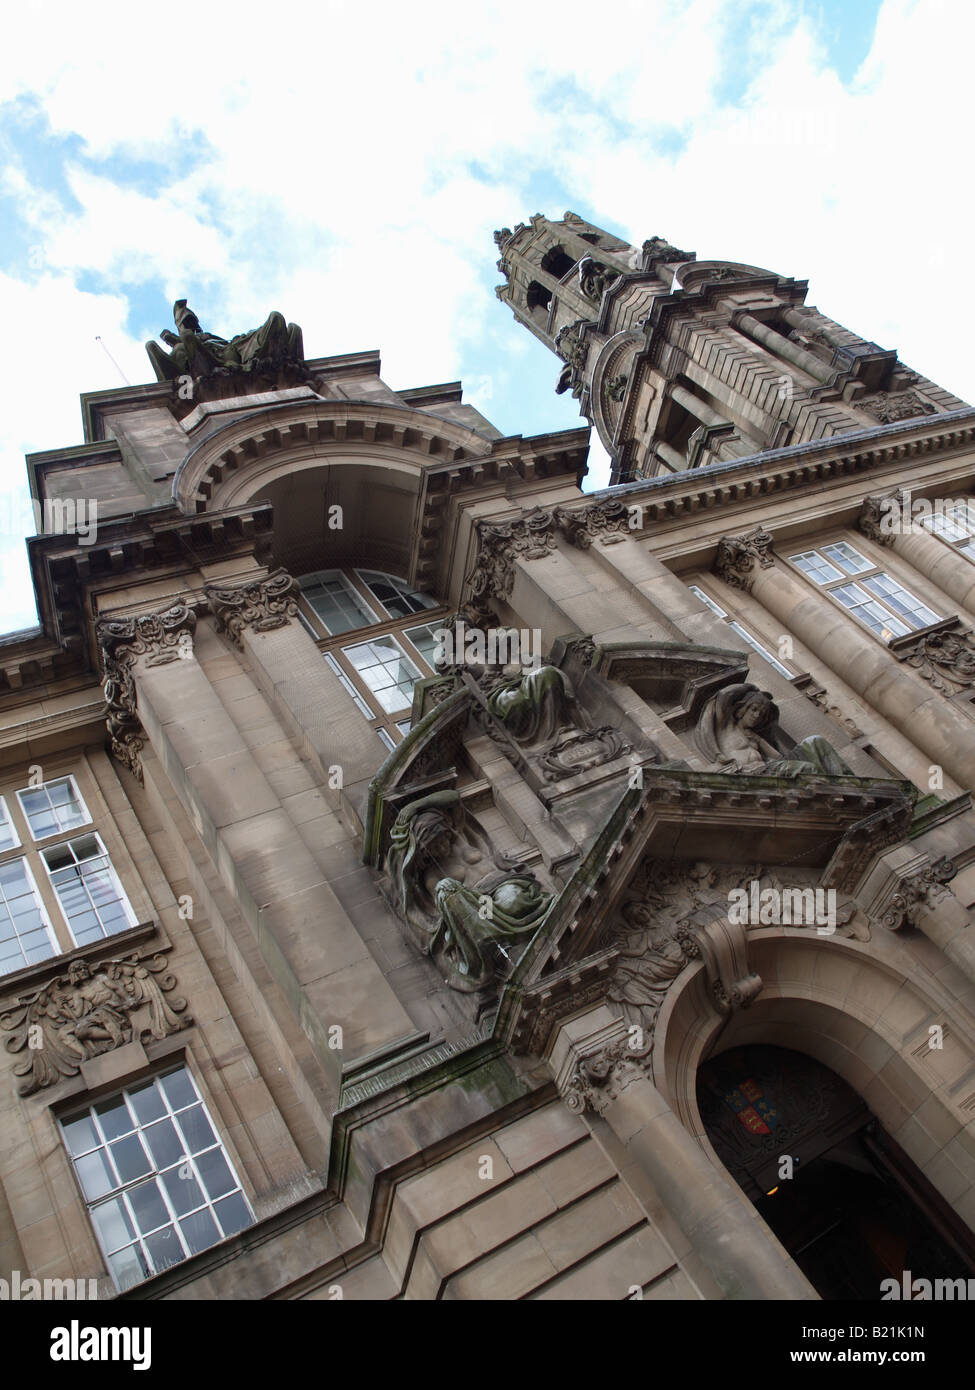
{"x":855,"y":1210}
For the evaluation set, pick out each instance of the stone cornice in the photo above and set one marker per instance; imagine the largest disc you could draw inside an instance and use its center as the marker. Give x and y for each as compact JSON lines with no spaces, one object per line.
{"x":797,"y":467}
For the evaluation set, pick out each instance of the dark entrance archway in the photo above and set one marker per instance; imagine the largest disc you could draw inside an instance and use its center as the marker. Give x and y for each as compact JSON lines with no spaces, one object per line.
{"x":856,"y":1210}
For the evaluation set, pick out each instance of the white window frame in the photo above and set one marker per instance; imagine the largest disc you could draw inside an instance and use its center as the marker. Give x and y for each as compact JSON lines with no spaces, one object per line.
{"x":119,"y":1192}
{"x":392,"y":637}
{"x":360,"y":574}
{"x":45,"y":918}
{"x":133,"y":920}
{"x":68,"y":830}
{"x":848,"y":578}
{"x":742,"y":631}
{"x":18,"y":843}
{"x":939,"y":522}
{"x":373,"y":619}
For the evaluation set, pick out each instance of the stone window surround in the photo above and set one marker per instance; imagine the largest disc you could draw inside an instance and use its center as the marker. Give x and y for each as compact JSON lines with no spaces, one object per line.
{"x":30,"y":851}
{"x":882,"y":566}
{"x":388,"y":725}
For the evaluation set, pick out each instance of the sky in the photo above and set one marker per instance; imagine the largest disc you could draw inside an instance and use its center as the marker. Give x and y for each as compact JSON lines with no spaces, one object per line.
{"x":347,"y":164}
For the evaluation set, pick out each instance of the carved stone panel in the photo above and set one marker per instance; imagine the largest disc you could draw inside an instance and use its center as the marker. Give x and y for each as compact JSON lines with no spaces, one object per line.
{"x":260,"y":604}
{"x":88,"y":1010}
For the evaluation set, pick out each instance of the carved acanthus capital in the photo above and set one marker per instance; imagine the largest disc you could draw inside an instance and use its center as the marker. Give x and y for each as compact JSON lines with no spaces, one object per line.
{"x":261,"y":604}
{"x":528,"y":537}
{"x":600,"y":1077}
{"x":88,"y":1010}
{"x":924,"y":889}
{"x":607,"y":521}
{"x":737,"y":556}
{"x":154,"y":638}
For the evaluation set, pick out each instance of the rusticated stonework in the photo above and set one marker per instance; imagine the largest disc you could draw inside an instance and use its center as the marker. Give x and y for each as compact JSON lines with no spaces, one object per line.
{"x":89,"y":1010}
{"x":260,"y":604}
{"x":158,"y":638}
{"x":737,"y":556}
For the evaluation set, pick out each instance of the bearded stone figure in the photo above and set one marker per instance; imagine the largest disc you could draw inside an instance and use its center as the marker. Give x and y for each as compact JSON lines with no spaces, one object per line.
{"x":738,"y":733}
{"x":462,"y":907}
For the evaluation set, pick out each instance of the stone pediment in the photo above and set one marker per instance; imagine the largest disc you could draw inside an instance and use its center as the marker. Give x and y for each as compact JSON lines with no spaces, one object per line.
{"x":678,"y":847}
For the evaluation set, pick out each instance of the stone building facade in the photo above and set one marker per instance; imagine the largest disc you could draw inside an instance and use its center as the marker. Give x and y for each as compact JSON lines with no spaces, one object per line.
{"x":619,"y":946}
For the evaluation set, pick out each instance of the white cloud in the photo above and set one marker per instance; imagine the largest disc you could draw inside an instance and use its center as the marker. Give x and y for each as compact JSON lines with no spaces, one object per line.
{"x":347,"y":166}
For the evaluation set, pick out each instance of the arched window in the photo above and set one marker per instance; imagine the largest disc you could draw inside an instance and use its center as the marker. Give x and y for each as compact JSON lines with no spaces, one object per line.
{"x":556,"y":262}
{"x":538,"y":300}
{"x":366,"y":625}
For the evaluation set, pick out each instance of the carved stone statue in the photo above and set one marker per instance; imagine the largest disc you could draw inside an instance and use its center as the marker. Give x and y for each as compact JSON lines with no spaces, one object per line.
{"x":463,"y":906}
{"x":594,"y":277}
{"x":738,"y":733}
{"x":651,"y":956}
{"x":198,"y":354}
{"x":534,"y":705}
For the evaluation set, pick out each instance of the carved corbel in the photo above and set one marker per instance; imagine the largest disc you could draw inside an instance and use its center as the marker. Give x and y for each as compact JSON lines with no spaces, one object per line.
{"x":154,"y":638}
{"x":918,"y":892}
{"x":723,"y":947}
{"x":737,"y":555}
{"x":873,"y":522}
{"x":261,"y":604}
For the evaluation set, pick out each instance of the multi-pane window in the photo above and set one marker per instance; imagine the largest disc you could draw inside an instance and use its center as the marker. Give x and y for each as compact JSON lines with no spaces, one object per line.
{"x":53,"y":807}
{"x":955,"y":526}
{"x":8,"y":835}
{"x":395,"y":594}
{"x":874,"y":598}
{"x":742,"y":632}
{"x":388,"y":672}
{"x":336,"y":602}
{"x":389,"y":651}
{"x":155,"y":1177}
{"x":63,"y":893}
{"x":88,"y":889}
{"x":25,"y":934}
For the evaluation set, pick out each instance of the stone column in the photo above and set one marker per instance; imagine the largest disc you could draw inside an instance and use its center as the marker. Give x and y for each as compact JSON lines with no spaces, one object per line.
{"x":597,"y":1072}
{"x":259,"y":615}
{"x":159,"y":693}
{"x":920,"y":713}
{"x":784,"y":348}
{"x":940,"y":563}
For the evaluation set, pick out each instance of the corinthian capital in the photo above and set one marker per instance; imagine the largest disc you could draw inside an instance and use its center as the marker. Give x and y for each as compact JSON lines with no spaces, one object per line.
{"x":918,"y":891}
{"x":155,"y":638}
{"x":262,"y":604}
{"x":603,"y":1075}
{"x":737,"y":556}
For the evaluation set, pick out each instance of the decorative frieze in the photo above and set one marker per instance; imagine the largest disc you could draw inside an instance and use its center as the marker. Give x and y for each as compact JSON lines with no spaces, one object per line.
{"x":88,"y":1010}
{"x":261,"y":604}
{"x":924,"y":889}
{"x":891,"y":406}
{"x":737,"y":556}
{"x":154,"y":638}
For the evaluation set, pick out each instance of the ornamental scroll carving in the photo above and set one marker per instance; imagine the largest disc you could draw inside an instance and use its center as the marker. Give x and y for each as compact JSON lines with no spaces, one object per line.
{"x":157,"y":639}
{"x":874,"y":519}
{"x":261,"y":604}
{"x":528,"y":537}
{"x":890,"y":406}
{"x":737,"y":557}
{"x":601,"y":1076}
{"x":946,"y":659}
{"x":607,"y":521}
{"x":920,"y":891}
{"x":87,"y":1011}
